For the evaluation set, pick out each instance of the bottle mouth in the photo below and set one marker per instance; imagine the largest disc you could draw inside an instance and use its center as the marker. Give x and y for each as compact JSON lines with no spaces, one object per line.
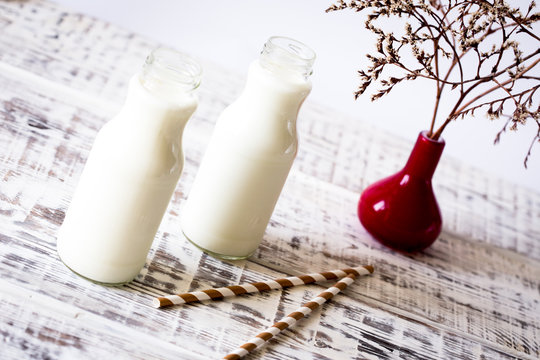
{"x":289,"y":54}
{"x":171,"y":68}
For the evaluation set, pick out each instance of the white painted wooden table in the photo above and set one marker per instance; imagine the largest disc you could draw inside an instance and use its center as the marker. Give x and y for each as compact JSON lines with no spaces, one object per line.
{"x":475,"y":294}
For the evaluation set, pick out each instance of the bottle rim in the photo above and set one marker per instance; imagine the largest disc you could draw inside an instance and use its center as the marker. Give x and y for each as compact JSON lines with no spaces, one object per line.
{"x":289,"y":53}
{"x":173,"y":67}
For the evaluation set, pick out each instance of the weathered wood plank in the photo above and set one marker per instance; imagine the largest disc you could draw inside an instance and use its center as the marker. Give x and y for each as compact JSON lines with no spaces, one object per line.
{"x":448,"y":273}
{"x":344,"y":328}
{"x":69,"y":49}
{"x":36,"y":326}
{"x":471,"y":295}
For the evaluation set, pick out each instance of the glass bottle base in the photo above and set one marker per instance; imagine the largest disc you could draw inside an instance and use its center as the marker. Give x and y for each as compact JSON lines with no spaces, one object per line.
{"x":114,"y":284}
{"x":214,"y":254}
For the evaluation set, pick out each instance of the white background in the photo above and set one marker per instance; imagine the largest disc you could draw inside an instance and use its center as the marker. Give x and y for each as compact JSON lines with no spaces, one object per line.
{"x":231,"y":33}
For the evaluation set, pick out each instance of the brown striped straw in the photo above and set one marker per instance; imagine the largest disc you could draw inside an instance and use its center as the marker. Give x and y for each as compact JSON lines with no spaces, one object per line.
{"x":234,"y":290}
{"x":263,"y":337}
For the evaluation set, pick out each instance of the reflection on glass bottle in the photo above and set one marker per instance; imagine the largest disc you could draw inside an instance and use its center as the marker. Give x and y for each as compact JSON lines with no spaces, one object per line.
{"x":250,"y":154}
{"x":131,"y":173}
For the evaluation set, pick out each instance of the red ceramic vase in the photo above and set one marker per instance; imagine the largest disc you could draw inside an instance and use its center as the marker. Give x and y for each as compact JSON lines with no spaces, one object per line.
{"x":401,"y":211}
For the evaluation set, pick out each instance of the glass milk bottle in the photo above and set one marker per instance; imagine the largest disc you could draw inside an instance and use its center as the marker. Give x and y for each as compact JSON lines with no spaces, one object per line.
{"x":131,"y":173}
{"x":250,"y":154}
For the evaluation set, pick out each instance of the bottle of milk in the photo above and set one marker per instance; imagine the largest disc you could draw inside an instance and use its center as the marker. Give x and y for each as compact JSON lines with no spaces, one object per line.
{"x":131,"y":173}
{"x":250,"y":154}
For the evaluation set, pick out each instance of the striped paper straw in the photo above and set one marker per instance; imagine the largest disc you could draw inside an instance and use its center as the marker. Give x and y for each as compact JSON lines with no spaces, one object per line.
{"x":234,"y":290}
{"x":263,"y":337}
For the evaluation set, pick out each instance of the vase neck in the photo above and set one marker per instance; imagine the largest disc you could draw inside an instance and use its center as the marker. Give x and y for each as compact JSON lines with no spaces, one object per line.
{"x":424,"y":156}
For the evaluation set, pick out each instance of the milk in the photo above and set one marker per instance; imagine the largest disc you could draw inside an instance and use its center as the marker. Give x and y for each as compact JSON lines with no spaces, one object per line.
{"x":131,"y":173}
{"x":249,"y":156}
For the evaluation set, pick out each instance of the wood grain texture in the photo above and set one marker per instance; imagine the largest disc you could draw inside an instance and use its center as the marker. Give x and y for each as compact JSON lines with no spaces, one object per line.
{"x":474,"y":294}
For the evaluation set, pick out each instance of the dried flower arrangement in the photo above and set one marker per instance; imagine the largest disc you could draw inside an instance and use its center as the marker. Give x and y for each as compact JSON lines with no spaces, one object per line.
{"x":467,"y":46}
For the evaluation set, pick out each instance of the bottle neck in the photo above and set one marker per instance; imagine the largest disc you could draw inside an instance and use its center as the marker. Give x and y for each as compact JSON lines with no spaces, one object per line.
{"x":424,"y":157}
{"x":161,"y":96}
{"x":282,"y":54}
{"x":151,"y":113}
{"x":278,"y":82}
{"x":170,"y":75}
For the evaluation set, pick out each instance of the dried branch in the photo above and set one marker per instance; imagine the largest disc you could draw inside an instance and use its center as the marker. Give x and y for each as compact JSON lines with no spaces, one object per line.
{"x":441,"y":36}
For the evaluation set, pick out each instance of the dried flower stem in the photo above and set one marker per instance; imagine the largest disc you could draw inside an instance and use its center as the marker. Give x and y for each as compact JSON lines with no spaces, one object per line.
{"x":440,"y":35}
{"x":463,"y":109}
